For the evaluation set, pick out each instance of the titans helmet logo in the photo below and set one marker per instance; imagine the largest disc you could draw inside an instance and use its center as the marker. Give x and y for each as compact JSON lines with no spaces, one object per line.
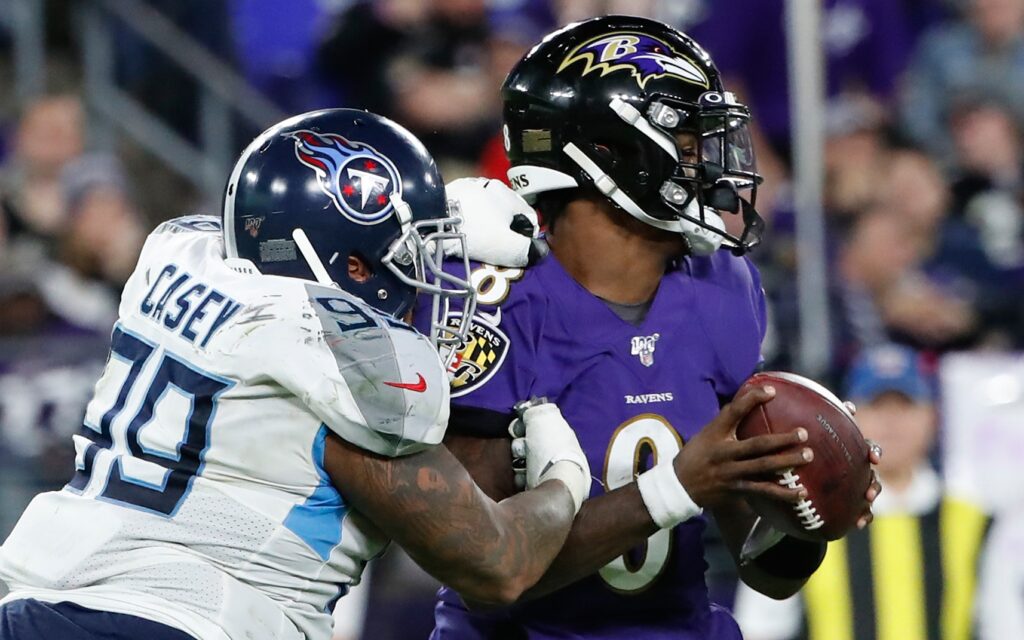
{"x":641,"y":55}
{"x":356,"y":177}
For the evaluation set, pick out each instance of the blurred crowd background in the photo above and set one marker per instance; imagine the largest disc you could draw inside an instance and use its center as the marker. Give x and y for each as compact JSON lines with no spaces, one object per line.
{"x":117,"y":114}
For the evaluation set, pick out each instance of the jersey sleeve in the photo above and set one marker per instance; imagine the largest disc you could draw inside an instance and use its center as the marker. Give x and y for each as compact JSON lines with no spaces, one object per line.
{"x":376,"y":382}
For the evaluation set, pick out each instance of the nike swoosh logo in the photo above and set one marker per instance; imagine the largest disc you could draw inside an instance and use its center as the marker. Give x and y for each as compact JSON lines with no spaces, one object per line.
{"x":493,"y":318}
{"x":419,"y":386}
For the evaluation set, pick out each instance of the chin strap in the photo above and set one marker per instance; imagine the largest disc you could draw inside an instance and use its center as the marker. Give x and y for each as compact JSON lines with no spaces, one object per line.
{"x":313,"y":260}
{"x":607,"y":186}
{"x":703,"y":241}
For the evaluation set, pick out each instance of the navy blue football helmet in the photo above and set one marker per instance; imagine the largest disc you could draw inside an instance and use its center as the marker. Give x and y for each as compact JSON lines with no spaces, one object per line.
{"x":317,"y":188}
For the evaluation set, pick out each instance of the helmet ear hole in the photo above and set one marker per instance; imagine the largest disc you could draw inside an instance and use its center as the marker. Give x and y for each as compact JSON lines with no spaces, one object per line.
{"x":359,"y":268}
{"x":618,"y":154}
{"x":604,"y":152}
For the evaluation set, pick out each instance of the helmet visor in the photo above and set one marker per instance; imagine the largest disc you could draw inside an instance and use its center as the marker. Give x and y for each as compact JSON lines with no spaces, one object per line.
{"x":721,"y":127}
{"x":725,"y":142}
{"x":715,"y":162}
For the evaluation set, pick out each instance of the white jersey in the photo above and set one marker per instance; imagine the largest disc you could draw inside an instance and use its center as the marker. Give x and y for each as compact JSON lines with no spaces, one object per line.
{"x":200,"y":499}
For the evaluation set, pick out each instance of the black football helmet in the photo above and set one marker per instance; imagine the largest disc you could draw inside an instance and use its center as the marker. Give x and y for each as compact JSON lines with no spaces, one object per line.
{"x":635,"y":109}
{"x":317,"y":188}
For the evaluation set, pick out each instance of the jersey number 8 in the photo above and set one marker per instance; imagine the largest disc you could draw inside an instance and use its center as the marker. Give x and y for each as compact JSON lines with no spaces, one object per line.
{"x":645,"y":435}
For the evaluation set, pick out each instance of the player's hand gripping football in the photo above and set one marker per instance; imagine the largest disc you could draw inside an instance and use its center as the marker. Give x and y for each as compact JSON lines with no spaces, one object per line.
{"x":500,"y":227}
{"x":875,"y":488}
{"x":714,"y":467}
{"x":544,"y":447}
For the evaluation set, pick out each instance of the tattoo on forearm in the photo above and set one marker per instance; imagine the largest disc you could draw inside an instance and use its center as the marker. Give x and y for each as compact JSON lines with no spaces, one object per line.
{"x":429,"y":504}
{"x":608,"y":525}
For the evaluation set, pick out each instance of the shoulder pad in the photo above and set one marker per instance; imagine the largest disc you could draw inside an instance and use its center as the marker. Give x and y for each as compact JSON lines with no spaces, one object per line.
{"x":738,"y":325}
{"x":391,"y":373}
{"x":723,"y":269}
{"x":193,"y":223}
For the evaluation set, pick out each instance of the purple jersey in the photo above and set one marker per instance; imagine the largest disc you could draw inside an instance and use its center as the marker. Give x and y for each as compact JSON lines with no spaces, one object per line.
{"x":634,"y":394}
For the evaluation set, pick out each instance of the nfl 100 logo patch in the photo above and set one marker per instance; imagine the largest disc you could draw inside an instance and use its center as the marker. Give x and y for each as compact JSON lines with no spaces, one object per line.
{"x":643,"y":347}
{"x":253,"y":224}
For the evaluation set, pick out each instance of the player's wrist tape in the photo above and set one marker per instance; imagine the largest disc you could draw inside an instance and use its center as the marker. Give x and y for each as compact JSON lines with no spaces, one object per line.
{"x":664,"y":496}
{"x":573,"y":477}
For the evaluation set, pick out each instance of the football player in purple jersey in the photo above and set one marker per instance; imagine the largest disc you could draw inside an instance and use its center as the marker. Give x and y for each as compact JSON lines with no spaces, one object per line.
{"x":641,"y":324}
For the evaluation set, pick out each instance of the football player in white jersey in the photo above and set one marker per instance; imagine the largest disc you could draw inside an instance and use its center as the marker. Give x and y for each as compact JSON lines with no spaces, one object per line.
{"x":267,"y":421}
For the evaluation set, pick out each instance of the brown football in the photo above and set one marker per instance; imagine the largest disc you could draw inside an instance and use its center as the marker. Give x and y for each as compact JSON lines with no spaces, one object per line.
{"x":840,"y":473}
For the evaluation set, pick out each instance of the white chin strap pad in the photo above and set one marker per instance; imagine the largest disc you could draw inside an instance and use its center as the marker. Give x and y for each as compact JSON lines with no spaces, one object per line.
{"x":703,"y":242}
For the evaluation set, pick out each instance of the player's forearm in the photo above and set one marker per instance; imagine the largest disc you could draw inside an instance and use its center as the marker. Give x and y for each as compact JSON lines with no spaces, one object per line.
{"x":489,"y":552}
{"x":606,"y":527}
{"x":493,"y":552}
{"x":531,"y":529}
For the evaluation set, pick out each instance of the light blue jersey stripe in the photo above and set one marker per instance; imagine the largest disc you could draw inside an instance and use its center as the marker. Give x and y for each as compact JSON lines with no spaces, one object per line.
{"x":317,"y":521}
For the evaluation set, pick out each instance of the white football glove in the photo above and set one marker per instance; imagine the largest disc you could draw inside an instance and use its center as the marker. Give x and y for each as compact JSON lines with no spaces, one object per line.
{"x":548,"y":445}
{"x":501,"y":228}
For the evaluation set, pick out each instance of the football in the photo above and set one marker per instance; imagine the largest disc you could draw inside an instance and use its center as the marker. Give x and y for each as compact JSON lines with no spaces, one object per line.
{"x":840,"y":473}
